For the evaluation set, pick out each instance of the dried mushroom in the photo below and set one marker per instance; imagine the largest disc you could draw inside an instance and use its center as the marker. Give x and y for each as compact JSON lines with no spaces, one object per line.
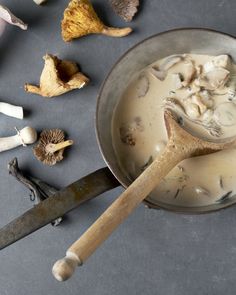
{"x":58,"y":77}
{"x":126,"y":9}
{"x":80,"y":19}
{"x":6,"y":16}
{"x":50,"y":147}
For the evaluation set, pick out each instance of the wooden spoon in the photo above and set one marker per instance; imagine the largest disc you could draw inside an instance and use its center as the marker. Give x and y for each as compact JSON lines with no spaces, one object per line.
{"x":181,"y":145}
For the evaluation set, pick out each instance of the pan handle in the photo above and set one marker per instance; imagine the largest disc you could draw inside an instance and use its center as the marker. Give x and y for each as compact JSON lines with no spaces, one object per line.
{"x":59,"y":204}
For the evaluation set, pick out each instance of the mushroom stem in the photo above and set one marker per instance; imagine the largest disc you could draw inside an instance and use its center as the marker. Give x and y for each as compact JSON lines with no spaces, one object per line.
{"x":116,"y":32}
{"x":11,"y":110}
{"x":32,"y":89}
{"x":54,"y":147}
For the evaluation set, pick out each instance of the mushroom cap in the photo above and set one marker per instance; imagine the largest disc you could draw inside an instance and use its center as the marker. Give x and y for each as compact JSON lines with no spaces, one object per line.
{"x":80,"y":19}
{"x":49,"y":136}
{"x":126,"y":9}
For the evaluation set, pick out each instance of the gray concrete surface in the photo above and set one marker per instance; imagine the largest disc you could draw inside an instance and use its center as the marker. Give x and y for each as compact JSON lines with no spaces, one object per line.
{"x":153,"y":252}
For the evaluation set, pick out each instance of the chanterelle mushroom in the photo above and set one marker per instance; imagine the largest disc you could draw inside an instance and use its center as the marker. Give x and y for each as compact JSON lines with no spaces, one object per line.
{"x":50,"y":147}
{"x":58,"y":77}
{"x":80,"y":19}
{"x":6,"y":16}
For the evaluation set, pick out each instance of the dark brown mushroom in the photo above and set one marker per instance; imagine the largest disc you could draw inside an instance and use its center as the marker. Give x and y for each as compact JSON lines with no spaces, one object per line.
{"x":126,"y":9}
{"x":51,"y":145}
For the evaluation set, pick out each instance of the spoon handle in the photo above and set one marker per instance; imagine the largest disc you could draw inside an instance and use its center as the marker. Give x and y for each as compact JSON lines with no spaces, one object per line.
{"x":117,"y":212}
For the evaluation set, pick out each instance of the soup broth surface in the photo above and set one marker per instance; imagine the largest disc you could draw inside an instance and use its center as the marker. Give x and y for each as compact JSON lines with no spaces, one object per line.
{"x":201,"y":89}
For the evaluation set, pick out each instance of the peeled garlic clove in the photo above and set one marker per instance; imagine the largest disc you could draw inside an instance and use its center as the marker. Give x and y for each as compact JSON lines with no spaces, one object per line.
{"x":58,"y":77}
{"x":80,"y":19}
{"x":10,"y":18}
{"x":225,"y":114}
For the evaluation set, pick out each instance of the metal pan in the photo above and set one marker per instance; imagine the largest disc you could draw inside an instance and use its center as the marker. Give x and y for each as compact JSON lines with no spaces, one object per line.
{"x":178,"y":41}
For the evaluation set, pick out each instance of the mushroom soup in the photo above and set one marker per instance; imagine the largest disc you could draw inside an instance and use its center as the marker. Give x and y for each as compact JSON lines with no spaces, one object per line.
{"x":201,"y":89}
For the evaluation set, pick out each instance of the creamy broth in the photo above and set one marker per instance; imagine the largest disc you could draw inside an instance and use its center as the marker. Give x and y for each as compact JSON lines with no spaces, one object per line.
{"x":201,"y":89}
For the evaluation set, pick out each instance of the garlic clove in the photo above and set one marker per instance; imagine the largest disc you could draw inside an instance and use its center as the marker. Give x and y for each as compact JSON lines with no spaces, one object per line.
{"x":27,"y":135}
{"x":10,"y":18}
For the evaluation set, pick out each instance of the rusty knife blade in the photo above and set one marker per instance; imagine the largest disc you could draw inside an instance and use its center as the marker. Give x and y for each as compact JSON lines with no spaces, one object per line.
{"x":59,"y":204}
